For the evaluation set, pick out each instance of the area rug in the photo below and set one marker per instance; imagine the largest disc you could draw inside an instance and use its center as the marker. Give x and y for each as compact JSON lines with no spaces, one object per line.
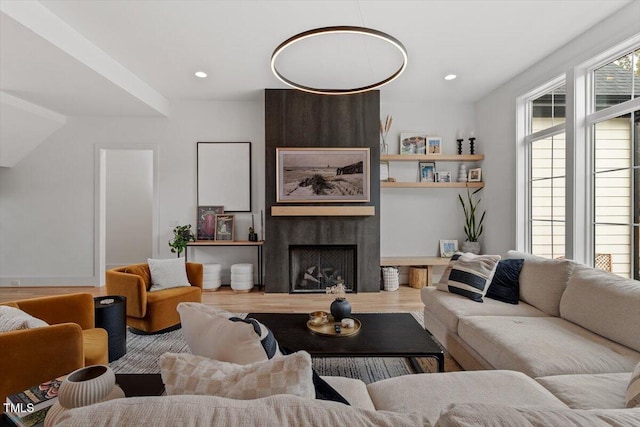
{"x":143,"y":352}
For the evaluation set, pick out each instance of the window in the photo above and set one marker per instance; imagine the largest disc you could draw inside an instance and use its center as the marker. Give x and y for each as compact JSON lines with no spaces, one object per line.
{"x":546,"y":182}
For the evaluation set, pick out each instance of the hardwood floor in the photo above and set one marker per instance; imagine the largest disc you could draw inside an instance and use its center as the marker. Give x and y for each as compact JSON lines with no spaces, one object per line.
{"x":405,"y":299}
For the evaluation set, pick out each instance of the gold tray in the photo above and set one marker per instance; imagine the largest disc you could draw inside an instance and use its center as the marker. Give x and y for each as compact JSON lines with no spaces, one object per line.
{"x":327,"y":329}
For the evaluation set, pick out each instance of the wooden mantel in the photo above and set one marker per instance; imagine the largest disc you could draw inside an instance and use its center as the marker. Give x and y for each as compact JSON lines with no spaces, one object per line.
{"x":323,"y":210}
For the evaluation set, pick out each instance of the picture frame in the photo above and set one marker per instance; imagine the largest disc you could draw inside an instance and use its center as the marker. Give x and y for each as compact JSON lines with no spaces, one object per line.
{"x":207,"y":221}
{"x":322,"y":175}
{"x":225,"y":226}
{"x":448,"y":248}
{"x":475,"y":175}
{"x":434,"y":145}
{"x":443,"y":176}
{"x":384,"y":171}
{"x":413,"y":143}
{"x":426,"y":171}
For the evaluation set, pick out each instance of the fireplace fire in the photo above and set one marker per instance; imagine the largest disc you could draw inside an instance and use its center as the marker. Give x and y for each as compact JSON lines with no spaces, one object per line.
{"x":317,"y":267}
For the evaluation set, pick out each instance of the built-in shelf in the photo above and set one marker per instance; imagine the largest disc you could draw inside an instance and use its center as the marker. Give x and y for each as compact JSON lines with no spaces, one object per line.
{"x":323,"y":210}
{"x":431,"y":157}
{"x":385,"y":184}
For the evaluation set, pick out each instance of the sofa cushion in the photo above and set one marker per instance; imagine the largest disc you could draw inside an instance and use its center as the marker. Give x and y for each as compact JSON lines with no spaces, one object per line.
{"x":141,"y":270}
{"x":470,"y":275}
{"x":449,"y":308}
{"x":184,"y":373}
{"x":167,"y":273}
{"x":95,"y":343}
{"x":429,"y":394}
{"x":543,"y":346}
{"x":588,"y":391}
{"x":604,"y":303}
{"x":542,"y":281}
{"x":209,"y":332}
{"x":467,"y":415}
{"x":353,"y":390}
{"x":281,"y":410}
{"x":505,"y":285}
{"x":632,"y":398}
{"x":14,"y":319}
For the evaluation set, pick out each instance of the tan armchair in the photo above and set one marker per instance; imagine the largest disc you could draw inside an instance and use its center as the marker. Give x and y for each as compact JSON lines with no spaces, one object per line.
{"x":33,"y":356}
{"x":150,"y":312}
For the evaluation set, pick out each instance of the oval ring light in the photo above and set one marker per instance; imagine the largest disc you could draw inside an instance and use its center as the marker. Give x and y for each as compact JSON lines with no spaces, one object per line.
{"x":339,"y":30}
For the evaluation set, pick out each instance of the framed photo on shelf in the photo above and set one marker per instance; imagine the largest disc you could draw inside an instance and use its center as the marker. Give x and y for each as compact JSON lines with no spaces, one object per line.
{"x":207,"y":221}
{"x":426,"y":171}
{"x":413,"y":143}
{"x":224,"y":227}
{"x":322,"y":175}
{"x":444,"y":176}
{"x":434,"y":145}
{"x":448,"y":248}
{"x":475,"y":175}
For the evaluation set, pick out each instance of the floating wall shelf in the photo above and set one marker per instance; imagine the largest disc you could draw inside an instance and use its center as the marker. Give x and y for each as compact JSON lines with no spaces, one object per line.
{"x":385,"y":184}
{"x":431,"y":157}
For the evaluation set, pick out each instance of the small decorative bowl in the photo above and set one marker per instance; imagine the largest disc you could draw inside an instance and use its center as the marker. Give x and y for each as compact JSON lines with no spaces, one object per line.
{"x":318,"y":317}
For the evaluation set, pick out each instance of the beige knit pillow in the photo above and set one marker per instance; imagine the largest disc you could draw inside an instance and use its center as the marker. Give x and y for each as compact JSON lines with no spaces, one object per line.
{"x":189,"y":374}
{"x":633,"y":390}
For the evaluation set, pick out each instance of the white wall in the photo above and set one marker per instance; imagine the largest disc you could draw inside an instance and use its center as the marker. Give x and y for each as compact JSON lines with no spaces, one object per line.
{"x":129,"y":207}
{"x":495,"y":117}
{"x":47,"y":199}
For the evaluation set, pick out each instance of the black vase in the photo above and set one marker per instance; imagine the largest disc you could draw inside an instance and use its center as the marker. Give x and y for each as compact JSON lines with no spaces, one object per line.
{"x":340,"y":309}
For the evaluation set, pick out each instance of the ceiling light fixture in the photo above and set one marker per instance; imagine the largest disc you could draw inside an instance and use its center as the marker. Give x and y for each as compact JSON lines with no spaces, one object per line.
{"x":450,"y":77}
{"x":201,"y":74}
{"x":339,"y":30}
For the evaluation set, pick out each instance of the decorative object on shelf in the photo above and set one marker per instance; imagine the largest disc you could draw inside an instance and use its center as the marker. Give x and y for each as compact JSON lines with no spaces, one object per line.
{"x":332,"y":31}
{"x":472,"y":141}
{"x":413,"y":143}
{"x":384,"y":131}
{"x":426,"y":171}
{"x":444,"y":176}
{"x":462,"y":173}
{"x":475,"y":175}
{"x":207,"y":221}
{"x":83,"y":387}
{"x":448,"y":248}
{"x":459,"y":139}
{"x":181,"y":236}
{"x":322,"y":175}
{"x":434,"y":145}
{"x":253,"y":236}
{"x":340,"y":307}
{"x":225,"y":227}
{"x":472,"y":228}
{"x":384,"y":171}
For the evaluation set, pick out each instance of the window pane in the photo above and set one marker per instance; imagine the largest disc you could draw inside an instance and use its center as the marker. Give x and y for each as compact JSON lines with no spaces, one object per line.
{"x":548,"y":110}
{"x":613,"y":197}
{"x":613,"y":82}
{"x":548,"y":157}
{"x":547,"y":239}
{"x":636,"y":74}
{"x":613,"y":144}
{"x":614,"y":242}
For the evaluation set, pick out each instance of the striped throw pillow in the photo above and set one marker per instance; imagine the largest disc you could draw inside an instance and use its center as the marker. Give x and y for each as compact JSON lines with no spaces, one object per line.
{"x":470,"y":275}
{"x":633,"y":391}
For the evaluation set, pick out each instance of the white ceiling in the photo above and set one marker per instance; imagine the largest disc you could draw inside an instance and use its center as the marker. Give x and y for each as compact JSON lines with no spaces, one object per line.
{"x":107,"y":57}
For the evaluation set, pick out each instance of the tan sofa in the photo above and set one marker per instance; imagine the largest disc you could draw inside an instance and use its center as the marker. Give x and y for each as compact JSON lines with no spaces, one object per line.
{"x":32,"y":356}
{"x":151,"y":312}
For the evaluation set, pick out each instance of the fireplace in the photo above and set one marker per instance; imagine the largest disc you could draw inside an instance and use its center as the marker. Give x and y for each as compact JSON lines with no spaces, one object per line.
{"x":313,"y":268}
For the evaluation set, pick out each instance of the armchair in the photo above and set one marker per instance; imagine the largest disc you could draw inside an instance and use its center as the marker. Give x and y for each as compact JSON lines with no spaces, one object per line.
{"x":151,"y":312}
{"x":32,"y":356}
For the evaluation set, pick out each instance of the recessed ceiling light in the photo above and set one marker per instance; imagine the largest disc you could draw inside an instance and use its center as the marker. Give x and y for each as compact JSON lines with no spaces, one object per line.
{"x":201,"y":74}
{"x":450,"y":77}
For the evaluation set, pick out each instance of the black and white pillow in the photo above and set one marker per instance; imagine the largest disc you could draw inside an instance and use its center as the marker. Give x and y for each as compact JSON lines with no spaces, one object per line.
{"x":505,"y":285}
{"x":470,"y":275}
{"x":267,"y":340}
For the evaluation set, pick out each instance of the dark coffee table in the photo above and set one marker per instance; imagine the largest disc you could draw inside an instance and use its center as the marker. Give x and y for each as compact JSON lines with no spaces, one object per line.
{"x":140,"y":384}
{"x":382,"y":335}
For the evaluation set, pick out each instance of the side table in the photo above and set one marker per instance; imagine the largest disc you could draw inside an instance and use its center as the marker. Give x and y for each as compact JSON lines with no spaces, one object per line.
{"x":111,"y":315}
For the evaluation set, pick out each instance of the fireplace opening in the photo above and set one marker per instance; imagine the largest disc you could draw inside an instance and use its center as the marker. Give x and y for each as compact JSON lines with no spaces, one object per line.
{"x":313,"y":268}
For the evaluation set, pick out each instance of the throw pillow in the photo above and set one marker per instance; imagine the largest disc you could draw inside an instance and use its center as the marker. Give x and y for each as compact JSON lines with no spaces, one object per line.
{"x":505,"y":285}
{"x":14,"y":319}
{"x":141,"y":270}
{"x":167,"y":273}
{"x":184,"y":373}
{"x":445,"y":276}
{"x":471,"y":275}
{"x":633,"y":390}
{"x":211,"y":332}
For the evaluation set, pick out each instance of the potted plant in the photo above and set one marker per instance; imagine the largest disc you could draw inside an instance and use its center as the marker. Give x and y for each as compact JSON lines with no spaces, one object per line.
{"x":472,"y":228}
{"x":181,"y":236}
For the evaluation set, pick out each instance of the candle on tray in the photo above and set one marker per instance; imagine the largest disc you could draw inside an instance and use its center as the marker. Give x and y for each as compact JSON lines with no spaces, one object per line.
{"x":347,"y":323}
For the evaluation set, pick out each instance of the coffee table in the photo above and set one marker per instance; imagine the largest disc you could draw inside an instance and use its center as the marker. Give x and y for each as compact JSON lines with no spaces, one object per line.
{"x":381,"y":335}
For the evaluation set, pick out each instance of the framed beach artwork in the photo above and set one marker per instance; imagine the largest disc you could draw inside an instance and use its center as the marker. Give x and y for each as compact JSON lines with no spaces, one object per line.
{"x":225,"y":227}
{"x":207,"y":221}
{"x":434,"y":145}
{"x":448,"y":248}
{"x":322,"y":175}
{"x":427,"y":171}
{"x":413,"y":143}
